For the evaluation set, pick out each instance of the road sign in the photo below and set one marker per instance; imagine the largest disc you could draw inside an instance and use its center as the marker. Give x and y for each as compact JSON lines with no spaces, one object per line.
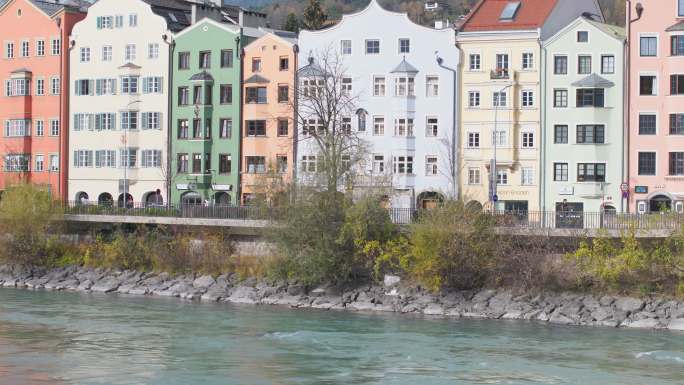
{"x":624,"y":187}
{"x":495,"y":198}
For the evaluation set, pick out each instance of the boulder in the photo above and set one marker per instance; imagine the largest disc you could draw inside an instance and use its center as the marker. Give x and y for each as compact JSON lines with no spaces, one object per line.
{"x":483,"y":296}
{"x":646,"y":323}
{"x":676,"y":324}
{"x":244,"y":294}
{"x":560,"y":319}
{"x":215,"y":293}
{"x":433,"y":309}
{"x":85,"y":285}
{"x":106,"y":285}
{"x":203,"y":282}
{"x":629,"y":304}
{"x":391,"y":281}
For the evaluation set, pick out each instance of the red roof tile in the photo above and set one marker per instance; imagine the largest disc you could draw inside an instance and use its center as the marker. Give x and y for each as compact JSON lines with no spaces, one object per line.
{"x":485,"y":15}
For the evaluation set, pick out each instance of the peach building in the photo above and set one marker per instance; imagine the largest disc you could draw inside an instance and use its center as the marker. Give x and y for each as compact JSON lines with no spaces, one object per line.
{"x":656,"y":105}
{"x":268,"y":132}
{"x":34,"y":68}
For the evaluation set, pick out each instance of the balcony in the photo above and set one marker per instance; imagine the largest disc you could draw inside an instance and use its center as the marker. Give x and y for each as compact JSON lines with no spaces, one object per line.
{"x":500,"y":74}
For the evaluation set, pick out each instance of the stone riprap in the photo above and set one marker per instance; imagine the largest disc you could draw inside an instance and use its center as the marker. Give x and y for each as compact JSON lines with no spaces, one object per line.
{"x":563,"y":308}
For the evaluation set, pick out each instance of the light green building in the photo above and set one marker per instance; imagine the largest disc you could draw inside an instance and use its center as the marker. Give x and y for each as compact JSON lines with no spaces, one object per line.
{"x":583,"y":152}
{"x":205,"y":133}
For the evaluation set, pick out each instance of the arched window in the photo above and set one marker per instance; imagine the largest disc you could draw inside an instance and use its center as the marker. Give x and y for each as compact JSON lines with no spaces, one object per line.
{"x":361,"y":116}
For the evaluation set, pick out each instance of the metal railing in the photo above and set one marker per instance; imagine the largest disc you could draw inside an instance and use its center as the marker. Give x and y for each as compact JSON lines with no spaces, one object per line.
{"x":403,"y":216}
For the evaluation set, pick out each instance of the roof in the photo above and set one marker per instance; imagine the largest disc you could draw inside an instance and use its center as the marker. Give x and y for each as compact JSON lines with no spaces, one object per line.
{"x":21,"y":70}
{"x":257,"y":32}
{"x":593,"y":81}
{"x":311,"y":70}
{"x":52,"y":7}
{"x":609,"y":29}
{"x":257,"y":79}
{"x":676,"y":27}
{"x":177,"y":13}
{"x":203,"y":76}
{"x":485,"y":16}
{"x":405,"y":67}
{"x":130,"y":65}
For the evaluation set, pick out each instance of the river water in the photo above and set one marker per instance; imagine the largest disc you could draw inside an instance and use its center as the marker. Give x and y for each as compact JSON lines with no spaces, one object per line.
{"x":76,"y":338}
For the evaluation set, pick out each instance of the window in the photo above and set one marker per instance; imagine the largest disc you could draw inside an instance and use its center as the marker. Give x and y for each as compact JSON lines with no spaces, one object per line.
{"x":17,"y":128}
{"x":82,"y":122}
{"x":378,"y":125}
{"x":648,"y":85}
{"x":284,"y":63}
{"x":83,"y":158}
{"x":560,"y":98}
{"x":404,"y":86}
{"x":183,"y":60}
{"x":18,"y":87}
{"x":151,"y":120}
{"x":647,"y":163}
{"x":256,"y":128}
{"x":226,"y":94}
{"x":118,"y":21}
{"x":584,"y":64}
{"x":255,"y":164}
{"x":225,"y":164}
{"x":473,"y":140}
{"x":25,"y":49}
{"x":83,"y":87}
{"x":129,"y":120}
{"x":130,"y":52}
{"x":527,"y":61}
{"x":431,"y":166}
{"x":129,"y":84}
{"x":54,"y":127}
{"x":207,"y":128}
{"x":152,"y":85}
{"x":474,"y":176}
{"x":55,"y":47}
{"x":499,"y":138}
{"x":560,"y":134}
{"x":502,"y":65}
{"x":378,"y":164}
{"x":502,"y":176}
{"x":680,"y":8}
{"x":432,"y":86}
{"x":85,"y":54}
{"x":283,"y":127}
{"x":509,"y":11}
{"x":196,"y":163}
{"x":527,"y":176}
{"x":132,"y":20}
{"x":226,"y":58}
{"x":404,"y":46}
{"x":591,"y":172}
{"x":54,"y":162}
{"x":473,"y":99}
{"x":647,"y":124}
{"x":528,"y":140}
{"x":40,"y":128}
{"x":197,"y":128}
{"x":588,"y":133}
{"x":281,"y":164}
{"x":361,"y":120}
{"x":105,"y":22}
{"x":499,"y":99}
{"x":309,"y":163}
{"x":153,"y":51}
{"x":40,"y":163}
{"x":17,"y":162}
{"x":527,"y":98}
{"x":208,"y":97}
{"x":677,"y":45}
{"x":105,"y":158}
{"x":9,"y":50}
{"x":105,"y":121}
{"x":607,"y":64}
{"x":205,"y":60}
{"x":648,"y":46}
{"x":403,"y":127}
{"x":432,"y":127}
{"x":676,"y":84}
{"x":312,"y":127}
{"x":590,"y":97}
{"x":560,"y":65}
{"x":182,"y":163}
{"x":256,"y":64}
{"x":560,"y":172}
{"x":676,"y":124}
{"x":403,"y":165}
{"x":151,"y":158}
{"x":378,"y":86}
{"x":40,"y":47}
{"x":582,"y":36}
{"x":346,"y":85}
{"x":107,"y":53}
{"x":256,"y":95}
{"x":474,"y":62}
{"x":105,"y":86}
{"x":346,"y":47}
{"x":225,"y":128}
{"x":676,"y":163}
{"x":183,"y":96}
{"x":183,"y":128}
{"x":372,"y":47}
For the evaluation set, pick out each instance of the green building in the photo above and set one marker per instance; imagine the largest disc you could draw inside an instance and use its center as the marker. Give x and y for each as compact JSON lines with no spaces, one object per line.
{"x":205,"y":114}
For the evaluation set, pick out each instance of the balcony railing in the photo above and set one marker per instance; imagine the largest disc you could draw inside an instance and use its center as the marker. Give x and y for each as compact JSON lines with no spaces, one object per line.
{"x":500,"y":73}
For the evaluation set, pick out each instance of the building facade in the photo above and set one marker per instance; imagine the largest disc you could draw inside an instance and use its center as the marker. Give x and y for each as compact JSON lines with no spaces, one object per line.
{"x":270,"y":63}
{"x":583,"y":139}
{"x":656,"y":105}
{"x":119,"y":102}
{"x":34,"y":103}
{"x":501,"y":92}
{"x":404,"y":79}
{"x":205,"y":134}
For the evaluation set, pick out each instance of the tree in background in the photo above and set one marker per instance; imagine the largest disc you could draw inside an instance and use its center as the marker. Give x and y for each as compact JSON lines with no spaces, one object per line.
{"x":314,"y":16}
{"x":291,"y":23}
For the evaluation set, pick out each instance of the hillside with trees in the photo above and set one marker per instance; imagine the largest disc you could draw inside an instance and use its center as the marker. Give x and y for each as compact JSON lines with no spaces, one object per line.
{"x":290,"y":14}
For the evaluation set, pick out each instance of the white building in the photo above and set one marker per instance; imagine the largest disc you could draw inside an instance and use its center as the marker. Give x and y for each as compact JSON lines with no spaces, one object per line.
{"x":407,"y":99}
{"x":119,"y":104}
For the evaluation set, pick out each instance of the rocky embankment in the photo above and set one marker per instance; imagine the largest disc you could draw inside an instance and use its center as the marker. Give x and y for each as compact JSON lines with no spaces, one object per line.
{"x":566,"y":309}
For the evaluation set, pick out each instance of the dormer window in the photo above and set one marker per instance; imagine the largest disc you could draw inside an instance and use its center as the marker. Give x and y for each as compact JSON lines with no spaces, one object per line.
{"x":582,"y":36}
{"x":509,"y":11}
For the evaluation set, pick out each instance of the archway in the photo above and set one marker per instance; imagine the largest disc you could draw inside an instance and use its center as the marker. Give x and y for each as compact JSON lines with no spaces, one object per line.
{"x":429,"y":200}
{"x":191,"y":198}
{"x":81,"y":198}
{"x":129,"y":201}
{"x":222,"y":199}
{"x":474,"y":206}
{"x":660,"y":203}
{"x":153,"y":198}
{"x":105,"y":199}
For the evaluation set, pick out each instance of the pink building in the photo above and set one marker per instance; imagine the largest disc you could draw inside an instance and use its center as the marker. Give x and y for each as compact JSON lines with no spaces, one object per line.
{"x":34,"y":71}
{"x":656,"y":105}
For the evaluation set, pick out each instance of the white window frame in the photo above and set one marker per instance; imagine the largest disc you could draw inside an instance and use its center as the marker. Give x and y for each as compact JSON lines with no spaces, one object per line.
{"x":479,"y":62}
{"x":365,"y":48}
{"x":431,"y":168}
{"x":649,"y":34}
{"x":379,"y":85}
{"x":472,"y":172}
{"x":474,"y":95}
{"x":40,"y":47}
{"x":527,"y":180}
{"x":431,"y":129}
{"x":343,"y":49}
{"x":432,"y":86}
{"x":522,"y":64}
{"x":527,"y":101}
{"x":657,"y":122}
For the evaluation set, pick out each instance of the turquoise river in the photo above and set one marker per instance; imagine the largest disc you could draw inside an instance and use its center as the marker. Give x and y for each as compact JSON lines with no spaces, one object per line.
{"x":72,"y":338}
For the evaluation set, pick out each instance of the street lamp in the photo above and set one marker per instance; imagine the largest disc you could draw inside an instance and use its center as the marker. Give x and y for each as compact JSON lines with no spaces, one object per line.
{"x":124,"y":138}
{"x":492,"y":167}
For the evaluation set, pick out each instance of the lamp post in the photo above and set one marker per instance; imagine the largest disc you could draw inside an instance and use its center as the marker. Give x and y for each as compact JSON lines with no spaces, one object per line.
{"x":124,"y":139}
{"x":493,"y":171}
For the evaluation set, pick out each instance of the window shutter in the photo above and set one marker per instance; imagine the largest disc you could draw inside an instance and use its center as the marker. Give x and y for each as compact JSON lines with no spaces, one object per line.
{"x":145,"y":85}
{"x":145,"y":124}
{"x":98,"y":86}
{"x":91,"y":122}
{"x":113,"y":119}
{"x":77,"y":89}
{"x":161,"y":85}
{"x":75,"y":158}
{"x":98,"y":158}
{"x":99,"y":22}
{"x":159,"y":121}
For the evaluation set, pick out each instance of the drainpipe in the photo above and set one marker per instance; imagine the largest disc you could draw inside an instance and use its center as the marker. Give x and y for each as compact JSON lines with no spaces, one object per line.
{"x":628,"y":87}
{"x":295,"y":98}
{"x":238,"y":185}
{"x":62,"y":136}
{"x":456,"y":139}
{"x":169,"y":125}
{"x":543,"y":134}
